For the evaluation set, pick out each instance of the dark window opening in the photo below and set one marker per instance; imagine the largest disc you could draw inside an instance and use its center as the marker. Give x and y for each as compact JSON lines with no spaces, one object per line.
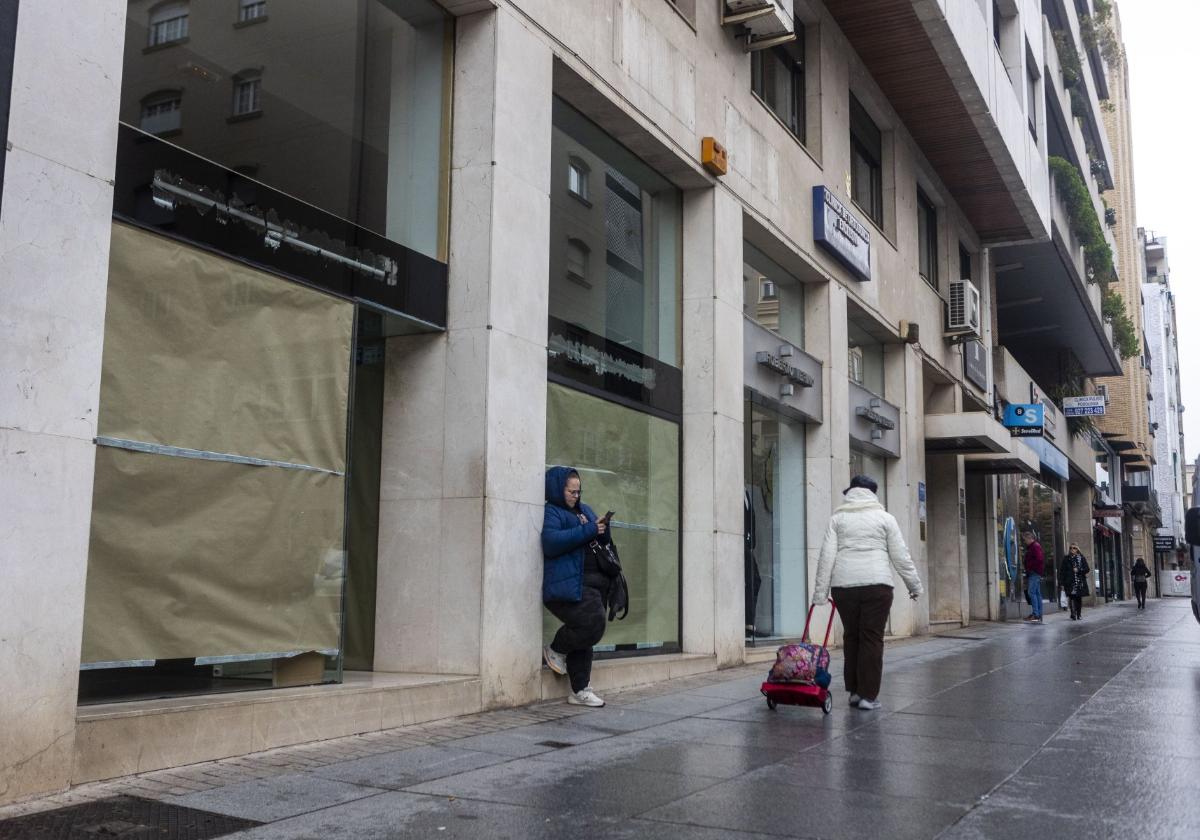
{"x":777,"y":78}
{"x":866,"y":167}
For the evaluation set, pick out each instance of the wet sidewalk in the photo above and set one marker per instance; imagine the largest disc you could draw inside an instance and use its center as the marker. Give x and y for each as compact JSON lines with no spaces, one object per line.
{"x":1068,"y":729}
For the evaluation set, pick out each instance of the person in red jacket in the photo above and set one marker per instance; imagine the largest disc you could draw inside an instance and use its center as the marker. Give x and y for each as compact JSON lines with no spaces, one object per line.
{"x":1035,"y":567}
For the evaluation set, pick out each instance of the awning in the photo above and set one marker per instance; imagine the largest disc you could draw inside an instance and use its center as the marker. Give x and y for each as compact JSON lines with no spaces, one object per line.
{"x":1053,"y":460}
{"x":1019,"y":459}
{"x":965,"y":433}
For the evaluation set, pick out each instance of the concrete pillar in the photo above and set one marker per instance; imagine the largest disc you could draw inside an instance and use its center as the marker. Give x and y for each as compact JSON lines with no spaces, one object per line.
{"x":947,"y":542}
{"x":905,"y":387}
{"x":459,"y":586}
{"x":827,"y":447}
{"x":54,"y":238}
{"x":1077,"y":511}
{"x":981,"y":548}
{"x":713,"y":433}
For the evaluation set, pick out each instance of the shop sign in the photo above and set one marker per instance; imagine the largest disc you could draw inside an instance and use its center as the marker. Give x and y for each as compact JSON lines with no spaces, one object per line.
{"x":779,"y":365}
{"x":975,"y":362}
{"x":1164,"y":543}
{"x":1083,"y":406}
{"x":1024,"y":419}
{"x":1051,"y":458}
{"x":872,"y":416}
{"x":840,"y":233}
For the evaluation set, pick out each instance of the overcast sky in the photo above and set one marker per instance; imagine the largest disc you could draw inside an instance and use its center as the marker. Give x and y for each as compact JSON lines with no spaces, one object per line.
{"x":1161,"y":44}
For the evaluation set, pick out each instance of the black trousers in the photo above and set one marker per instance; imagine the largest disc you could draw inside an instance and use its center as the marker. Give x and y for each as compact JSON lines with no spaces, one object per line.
{"x":1139,"y":589}
{"x":1076,"y":603}
{"x":864,"y":611}
{"x":583,"y":627}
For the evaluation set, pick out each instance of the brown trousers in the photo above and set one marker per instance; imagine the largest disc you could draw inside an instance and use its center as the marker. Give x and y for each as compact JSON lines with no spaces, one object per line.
{"x":864,"y":611}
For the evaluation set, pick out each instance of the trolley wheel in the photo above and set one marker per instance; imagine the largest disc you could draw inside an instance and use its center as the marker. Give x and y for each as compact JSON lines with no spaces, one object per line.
{"x":827,"y":706}
{"x":771,"y":704}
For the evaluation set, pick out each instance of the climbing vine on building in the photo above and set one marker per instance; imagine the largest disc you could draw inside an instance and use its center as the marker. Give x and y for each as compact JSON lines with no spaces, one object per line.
{"x":1125,"y":333}
{"x":1084,"y":222}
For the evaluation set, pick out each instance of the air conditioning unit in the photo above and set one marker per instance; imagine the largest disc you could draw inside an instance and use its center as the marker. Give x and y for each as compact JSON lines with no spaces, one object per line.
{"x":765,"y":23}
{"x":963,"y":310}
{"x":1102,"y":391}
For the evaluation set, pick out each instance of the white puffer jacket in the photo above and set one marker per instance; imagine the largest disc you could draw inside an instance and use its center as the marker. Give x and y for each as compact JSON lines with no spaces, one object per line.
{"x":862,"y":545}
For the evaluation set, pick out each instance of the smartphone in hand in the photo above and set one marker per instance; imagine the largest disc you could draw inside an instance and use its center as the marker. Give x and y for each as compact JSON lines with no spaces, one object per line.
{"x":608,"y":516}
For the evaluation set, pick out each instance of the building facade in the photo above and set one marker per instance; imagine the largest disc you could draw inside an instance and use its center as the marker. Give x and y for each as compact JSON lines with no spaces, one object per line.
{"x":1171,"y":486}
{"x":306,"y":336}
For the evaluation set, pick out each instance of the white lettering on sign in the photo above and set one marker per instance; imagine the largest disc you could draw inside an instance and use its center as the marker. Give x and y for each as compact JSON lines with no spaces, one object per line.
{"x":585,"y":355}
{"x":841,"y":233}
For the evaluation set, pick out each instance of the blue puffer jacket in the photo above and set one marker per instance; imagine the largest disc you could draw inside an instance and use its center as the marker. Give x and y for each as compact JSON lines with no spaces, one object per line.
{"x":564,"y":538}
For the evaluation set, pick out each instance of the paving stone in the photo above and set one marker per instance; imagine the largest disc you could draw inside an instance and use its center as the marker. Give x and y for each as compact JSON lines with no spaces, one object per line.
{"x":275,"y":799}
{"x":402,"y":769}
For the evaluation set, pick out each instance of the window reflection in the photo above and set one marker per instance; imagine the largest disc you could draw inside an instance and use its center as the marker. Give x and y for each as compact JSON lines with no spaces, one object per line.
{"x":339,"y":103}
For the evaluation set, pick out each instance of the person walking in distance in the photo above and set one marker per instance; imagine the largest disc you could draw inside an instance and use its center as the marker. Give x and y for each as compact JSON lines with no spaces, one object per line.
{"x":862,"y":546}
{"x":1141,"y":577}
{"x":1073,"y":576}
{"x":1035,"y":567}
{"x":572,"y":585}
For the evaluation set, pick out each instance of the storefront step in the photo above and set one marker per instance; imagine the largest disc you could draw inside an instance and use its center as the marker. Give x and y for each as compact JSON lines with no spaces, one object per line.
{"x":612,"y":674}
{"x":120,"y":739}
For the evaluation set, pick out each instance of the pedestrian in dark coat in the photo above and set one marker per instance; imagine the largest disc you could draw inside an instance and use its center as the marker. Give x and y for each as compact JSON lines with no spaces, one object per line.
{"x":1073,"y":578}
{"x":572,"y":585}
{"x":1141,"y":577}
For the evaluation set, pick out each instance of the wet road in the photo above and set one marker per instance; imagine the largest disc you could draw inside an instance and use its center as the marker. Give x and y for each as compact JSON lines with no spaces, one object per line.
{"x":1071,"y":729}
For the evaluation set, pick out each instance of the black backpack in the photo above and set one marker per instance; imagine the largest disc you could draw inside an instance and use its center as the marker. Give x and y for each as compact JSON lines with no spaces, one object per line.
{"x":616,"y":597}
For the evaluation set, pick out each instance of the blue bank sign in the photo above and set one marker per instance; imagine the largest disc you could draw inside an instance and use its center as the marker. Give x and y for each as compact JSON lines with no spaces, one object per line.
{"x":840,"y":233}
{"x":1025,"y":419}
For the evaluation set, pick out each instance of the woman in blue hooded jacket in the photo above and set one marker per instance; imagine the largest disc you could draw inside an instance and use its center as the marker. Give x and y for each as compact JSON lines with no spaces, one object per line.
{"x":572,"y":585}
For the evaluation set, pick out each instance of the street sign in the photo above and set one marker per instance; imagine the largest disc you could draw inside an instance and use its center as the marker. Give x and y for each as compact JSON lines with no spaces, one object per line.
{"x":1024,"y":420}
{"x":1083,"y":406}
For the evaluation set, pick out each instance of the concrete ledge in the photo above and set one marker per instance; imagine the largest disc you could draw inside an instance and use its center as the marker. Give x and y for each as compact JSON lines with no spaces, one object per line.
{"x":121,"y":739}
{"x":613,"y":674}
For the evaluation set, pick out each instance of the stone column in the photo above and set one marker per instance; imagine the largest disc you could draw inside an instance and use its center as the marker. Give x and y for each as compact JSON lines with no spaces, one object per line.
{"x":1079,"y":524}
{"x":828,"y":444}
{"x":465,"y":415}
{"x":54,"y":236}
{"x":905,"y":388}
{"x":713,"y":519}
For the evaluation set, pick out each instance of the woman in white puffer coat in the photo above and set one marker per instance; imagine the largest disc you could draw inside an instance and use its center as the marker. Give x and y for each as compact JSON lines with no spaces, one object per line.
{"x":862,"y":546}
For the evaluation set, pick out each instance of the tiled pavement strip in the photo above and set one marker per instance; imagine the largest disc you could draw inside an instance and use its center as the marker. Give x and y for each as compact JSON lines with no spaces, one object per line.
{"x":973,"y":719}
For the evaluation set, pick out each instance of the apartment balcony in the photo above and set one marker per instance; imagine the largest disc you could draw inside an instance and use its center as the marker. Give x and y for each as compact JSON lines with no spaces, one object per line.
{"x":1046,"y":306}
{"x":940,"y":69}
{"x":1142,"y":500}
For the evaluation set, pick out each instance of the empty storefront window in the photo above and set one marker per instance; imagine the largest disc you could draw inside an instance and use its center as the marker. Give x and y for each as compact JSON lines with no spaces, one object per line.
{"x":772,"y":296}
{"x":615,"y":228}
{"x":628,"y":462}
{"x":218,"y":514}
{"x":775,"y":540}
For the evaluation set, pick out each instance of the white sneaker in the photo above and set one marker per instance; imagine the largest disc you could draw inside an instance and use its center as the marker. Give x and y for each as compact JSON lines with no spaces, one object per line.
{"x":585,"y":697}
{"x":854,"y":698}
{"x":555,"y":661}
{"x":869,"y":705}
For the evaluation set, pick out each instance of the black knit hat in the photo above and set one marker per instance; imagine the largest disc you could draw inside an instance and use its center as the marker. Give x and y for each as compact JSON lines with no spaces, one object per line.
{"x":864,"y":481}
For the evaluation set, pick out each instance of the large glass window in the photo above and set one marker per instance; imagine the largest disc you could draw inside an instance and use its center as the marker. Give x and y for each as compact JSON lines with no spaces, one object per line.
{"x":777,"y":78}
{"x":628,"y":462}
{"x":866,"y":162}
{"x":772,"y":296}
{"x":360,"y":133}
{"x":775,"y":541}
{"x":608,"y":203}
{"x":866,"y":359}
{"x":875,"y":466}
{"x":927,"y":237}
